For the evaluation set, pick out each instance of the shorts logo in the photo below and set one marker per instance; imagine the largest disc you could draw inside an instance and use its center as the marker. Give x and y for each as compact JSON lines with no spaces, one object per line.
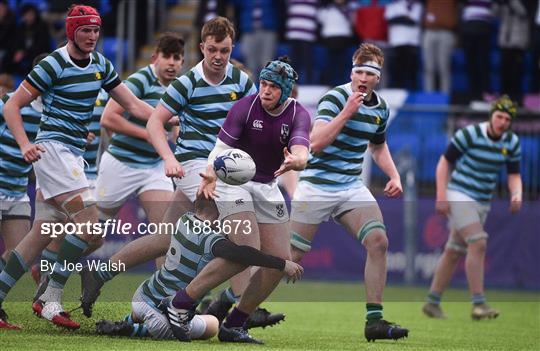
{"x":284,"y":134}
{"x":239,"y":202}
{"x":280,"y":212}
{"x":173,"y":251}
{"x":257,"y":124}
{"x":75,"y":173}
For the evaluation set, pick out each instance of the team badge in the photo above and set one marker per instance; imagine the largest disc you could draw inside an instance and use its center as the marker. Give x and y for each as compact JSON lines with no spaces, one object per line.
{"x":284,"y":134}
{"x":504,"y":151}
{"x":233,"y":96}
{"x":98,"y":76}
{"x":280,"y":211}
{"x":98,"y":102}
{"x":378,"y":120}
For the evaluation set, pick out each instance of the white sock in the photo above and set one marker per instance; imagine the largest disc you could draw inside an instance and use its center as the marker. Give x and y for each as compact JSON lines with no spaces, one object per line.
{"x":52,"y":294}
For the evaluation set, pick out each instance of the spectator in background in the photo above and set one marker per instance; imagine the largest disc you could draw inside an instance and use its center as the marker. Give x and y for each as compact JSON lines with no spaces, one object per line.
{"x":404,"y":17}
{"x":206,"y":10}
{"x":260,"y":26}
{"x":371,"y":27}
{"x":337,"y":36}
{"x":476,"y":31}
{"x":7,"y":39}
{"x":513,"y":41}
{"x":6,"y":83}
{"x":301,"y":34}
{"x":33,"y":38}
{"x":440,"y":19}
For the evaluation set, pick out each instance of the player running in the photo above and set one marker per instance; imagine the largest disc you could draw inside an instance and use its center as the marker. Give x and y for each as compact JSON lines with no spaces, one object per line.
{"x":473,"y":161}
{"x":350,"y":119}
{"x":69,"y":80}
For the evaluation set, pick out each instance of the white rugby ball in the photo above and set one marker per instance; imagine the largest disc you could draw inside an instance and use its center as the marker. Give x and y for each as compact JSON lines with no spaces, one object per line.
{"x":234,"y":166}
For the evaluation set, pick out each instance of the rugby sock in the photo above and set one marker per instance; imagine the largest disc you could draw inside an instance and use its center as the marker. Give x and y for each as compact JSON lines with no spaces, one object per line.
{"x":434,"y":298}
{"x":2,"y":264}
{"x":183,"y":301}
{"x":71,"y":250}
{"x":139,"y":330}
{"x":228,"y":295}
{"x":103,"y":275}
{"x":13,"y":271}
{"x":50,"y":257}
{"x":236,"y":319}
{"x":374,"y":312}
{"x":478,"y":299}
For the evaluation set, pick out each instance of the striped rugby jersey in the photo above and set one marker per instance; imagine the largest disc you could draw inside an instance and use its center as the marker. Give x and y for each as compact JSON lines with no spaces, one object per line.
{"x":14,"y":169}
{"x":202,"y":108}
{"x":69,"y":93}
{"x":188,"y":254}
{"x":476,"y":171}
{"x":90,"y":155}
{"x":339,"y":165}
{"x":135,"y":152}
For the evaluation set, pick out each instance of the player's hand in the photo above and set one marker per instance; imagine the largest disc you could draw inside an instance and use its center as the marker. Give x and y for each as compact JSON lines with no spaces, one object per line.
{"x":290,"y":162}
{"x":174,"y":121}
{"x":442,"y":207}
{"x":515,"y":203}
{"x":207,"y":188}
{"x":31,"y":152}
{"x":393,"y":188}
{"x":173,"y":168}
{"x":90,"y":138}
{"x":353,"y":102}
{"x":293,"y":271}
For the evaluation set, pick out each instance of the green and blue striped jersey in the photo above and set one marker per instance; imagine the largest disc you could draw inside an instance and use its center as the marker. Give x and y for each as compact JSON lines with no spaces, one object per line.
{"x":202,"y":108}
{"x":135,"y":152}
{"x":476,"y":171}
{"x":188,"y":254}
{"x":90,"y":155}
{"x":14,"y":169}
{"x":69,"y":93}
{"x":339,"y":165}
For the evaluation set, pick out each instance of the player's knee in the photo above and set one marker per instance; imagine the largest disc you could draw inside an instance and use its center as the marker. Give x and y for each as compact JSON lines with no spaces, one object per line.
{"x":212,"y":327}
{"x":377,"y":242}
{"x":455,"y":254}
{"x":299,"y":246}
{"x":478,"y":246}
{"x":80,"y":205}
{"x":373,"y":236}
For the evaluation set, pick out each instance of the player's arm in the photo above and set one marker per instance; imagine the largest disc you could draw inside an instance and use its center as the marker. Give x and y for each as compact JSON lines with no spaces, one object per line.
{"x":249,"y":256}
{"x":23,"y":96}
{"x":296,"y":160}
{"x":442,"y":175}
{"x":158,"y":137}
{"x":383,"y":159}
{"x":515,"y":184}
{"x":130,"y":102}
{"x":325,"y":132}
{"x":209,"y":178}
{"x":113,"y":120}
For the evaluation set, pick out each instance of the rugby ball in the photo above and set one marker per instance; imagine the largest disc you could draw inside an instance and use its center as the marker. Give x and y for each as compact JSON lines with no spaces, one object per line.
{"x":234,"y":167}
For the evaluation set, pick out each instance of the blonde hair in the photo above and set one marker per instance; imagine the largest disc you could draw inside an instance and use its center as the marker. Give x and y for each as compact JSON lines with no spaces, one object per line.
{"x":368,"y":52}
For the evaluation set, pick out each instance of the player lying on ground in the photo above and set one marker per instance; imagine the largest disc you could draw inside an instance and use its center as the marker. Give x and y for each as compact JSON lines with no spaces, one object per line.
{"x":162,"y":308}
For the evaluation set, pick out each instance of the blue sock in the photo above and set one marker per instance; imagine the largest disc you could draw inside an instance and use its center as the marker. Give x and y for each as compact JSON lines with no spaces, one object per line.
{"x":478,"y":299}
{"x":434,"y":298}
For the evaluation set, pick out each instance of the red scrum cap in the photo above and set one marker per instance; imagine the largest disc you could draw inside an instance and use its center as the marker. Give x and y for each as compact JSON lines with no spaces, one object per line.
{"x":80,"y":15}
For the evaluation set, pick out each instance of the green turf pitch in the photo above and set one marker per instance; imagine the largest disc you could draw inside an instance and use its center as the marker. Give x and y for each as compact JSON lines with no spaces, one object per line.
{"x":320,"y":316}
